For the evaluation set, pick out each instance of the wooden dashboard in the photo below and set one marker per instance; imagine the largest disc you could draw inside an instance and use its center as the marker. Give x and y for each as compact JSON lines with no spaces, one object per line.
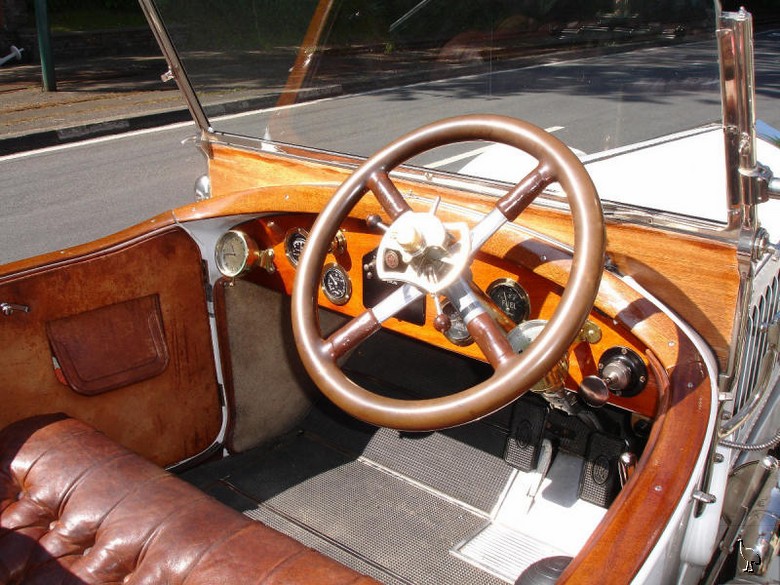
{"x":282,"y":233}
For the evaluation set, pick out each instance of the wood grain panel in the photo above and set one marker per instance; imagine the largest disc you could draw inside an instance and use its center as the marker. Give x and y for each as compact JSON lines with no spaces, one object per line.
{"x":544,"y":294}
{"x":168,"y":418}
{"x":696,"y":277}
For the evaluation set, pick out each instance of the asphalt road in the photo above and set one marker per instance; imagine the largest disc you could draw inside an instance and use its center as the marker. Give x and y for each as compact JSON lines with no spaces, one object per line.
{"x":67,"y":195}
{"x":64,"y":196}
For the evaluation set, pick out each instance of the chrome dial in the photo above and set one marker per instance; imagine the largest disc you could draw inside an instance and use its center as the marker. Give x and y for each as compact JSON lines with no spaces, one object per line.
{"x":294,"y":241}
{"x":511,"y":298}
{"x":336,"y":284}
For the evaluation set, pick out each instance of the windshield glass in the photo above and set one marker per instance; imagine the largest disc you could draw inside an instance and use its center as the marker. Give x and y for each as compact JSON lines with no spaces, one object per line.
{"x":599,"y":74}
{"x":613,"y":79}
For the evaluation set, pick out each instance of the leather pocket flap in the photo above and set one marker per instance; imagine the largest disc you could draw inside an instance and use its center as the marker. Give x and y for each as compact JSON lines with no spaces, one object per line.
{"x":110,"y":347}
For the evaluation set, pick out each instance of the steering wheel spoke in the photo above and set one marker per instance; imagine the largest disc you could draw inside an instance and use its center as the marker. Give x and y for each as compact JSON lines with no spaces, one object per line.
{"x":369,"y":322}
{"x":523,"y":193}
{"x":418,"y":247}
{"x":511,"y":205}
{"x":387,"y":193}
{"x":348,"y":337}
{"x":491,"y":339}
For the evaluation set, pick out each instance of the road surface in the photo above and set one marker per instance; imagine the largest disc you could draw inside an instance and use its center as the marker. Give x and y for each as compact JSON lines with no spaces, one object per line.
{"x":60,"y":197}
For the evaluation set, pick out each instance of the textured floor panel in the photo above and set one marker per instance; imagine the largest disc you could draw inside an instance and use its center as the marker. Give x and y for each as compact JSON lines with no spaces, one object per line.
{"x":364,"y":511}
{"x":465,"y":463}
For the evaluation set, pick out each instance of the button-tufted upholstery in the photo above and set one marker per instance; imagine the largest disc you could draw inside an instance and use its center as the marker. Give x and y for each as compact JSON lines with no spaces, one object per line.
{"x":77,"y":508}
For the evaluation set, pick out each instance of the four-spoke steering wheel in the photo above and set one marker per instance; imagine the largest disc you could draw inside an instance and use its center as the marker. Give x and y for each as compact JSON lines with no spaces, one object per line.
{"x":430,"y":257}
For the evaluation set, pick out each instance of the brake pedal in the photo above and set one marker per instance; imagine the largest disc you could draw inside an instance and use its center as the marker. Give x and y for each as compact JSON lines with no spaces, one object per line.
{"x":600,"y":478}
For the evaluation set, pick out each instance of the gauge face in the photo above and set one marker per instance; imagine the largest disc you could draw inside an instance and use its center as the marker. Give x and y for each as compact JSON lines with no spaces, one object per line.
{"x":234,"y":253}
{"x":457,"y":333}
{"x":336,"y":284}
{"x":293,"y":244}
{"x":511,"y":298}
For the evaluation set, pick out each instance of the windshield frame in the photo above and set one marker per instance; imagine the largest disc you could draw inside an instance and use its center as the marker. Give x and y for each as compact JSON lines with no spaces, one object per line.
{"x":737,"y":103}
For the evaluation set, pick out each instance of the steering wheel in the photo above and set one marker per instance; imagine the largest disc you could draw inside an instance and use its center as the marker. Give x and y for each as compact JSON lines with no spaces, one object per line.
{"x":430,"y":257}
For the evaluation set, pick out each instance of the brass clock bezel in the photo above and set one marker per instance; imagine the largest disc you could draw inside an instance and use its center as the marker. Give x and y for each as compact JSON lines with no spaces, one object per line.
{"x":249,"y":252}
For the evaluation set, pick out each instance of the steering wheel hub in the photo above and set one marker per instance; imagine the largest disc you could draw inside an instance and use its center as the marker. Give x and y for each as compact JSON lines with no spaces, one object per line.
{"x":428,"y":256}
{"x":421,"y":250}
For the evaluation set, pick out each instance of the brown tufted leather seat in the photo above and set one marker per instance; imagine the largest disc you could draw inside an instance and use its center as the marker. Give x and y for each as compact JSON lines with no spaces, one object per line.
{"x":77,"y":508}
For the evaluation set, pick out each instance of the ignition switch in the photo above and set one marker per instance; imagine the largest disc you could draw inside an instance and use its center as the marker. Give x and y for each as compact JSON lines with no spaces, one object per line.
{"x":623,"y":371}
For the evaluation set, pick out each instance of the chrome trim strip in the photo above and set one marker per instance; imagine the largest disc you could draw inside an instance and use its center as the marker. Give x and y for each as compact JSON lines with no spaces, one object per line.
{"x":176,"y":67}
{"x":677,"y":524}
{"x":745,"y":186}
{"x":735,"y":47}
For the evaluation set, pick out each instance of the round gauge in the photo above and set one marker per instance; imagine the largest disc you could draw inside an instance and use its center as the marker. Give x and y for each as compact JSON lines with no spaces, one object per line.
{"x":457,"y":333}
{"x":293,"y":244}
{"x":511,"y":298}
{"x":235,"y":252}
{"x":336,"y":284}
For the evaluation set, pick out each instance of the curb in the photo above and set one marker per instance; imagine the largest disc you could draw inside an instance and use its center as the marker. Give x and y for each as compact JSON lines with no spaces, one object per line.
{"x":48,"y":138}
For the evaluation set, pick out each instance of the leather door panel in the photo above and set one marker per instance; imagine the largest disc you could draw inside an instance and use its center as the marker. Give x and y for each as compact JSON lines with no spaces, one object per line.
{"x":163,"y":401}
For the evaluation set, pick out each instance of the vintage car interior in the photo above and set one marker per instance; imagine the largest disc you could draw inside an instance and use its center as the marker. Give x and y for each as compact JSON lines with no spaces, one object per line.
{"x":357,"y":368}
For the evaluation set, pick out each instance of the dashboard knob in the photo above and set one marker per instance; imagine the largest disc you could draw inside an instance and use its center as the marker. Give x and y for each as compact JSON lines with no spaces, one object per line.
{"x":442,"y":323}
{"x":594,"y":391}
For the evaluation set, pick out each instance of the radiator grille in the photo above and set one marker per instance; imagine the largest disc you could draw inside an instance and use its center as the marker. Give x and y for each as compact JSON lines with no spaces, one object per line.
{"x":764,"y":308}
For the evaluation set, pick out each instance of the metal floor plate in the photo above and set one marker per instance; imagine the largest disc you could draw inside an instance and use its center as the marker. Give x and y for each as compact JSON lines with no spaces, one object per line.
{"x":504,"y":552}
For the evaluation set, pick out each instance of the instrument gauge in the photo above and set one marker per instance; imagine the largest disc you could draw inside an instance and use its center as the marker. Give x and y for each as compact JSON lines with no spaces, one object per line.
{"x":336,"y":284}
{"x":293,"y":244}
{"x":457,"y":333}
{"x":235,"y":253}
{"x":511,"y":298}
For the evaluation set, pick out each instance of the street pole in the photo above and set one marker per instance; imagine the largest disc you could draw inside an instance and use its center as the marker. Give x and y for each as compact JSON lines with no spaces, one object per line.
{"x":44,"y":45}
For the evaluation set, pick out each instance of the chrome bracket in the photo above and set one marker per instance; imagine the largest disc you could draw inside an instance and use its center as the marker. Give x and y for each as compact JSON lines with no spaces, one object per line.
{"x":704,"y":497}
{"x":266,"y":260}
{"x":9,"y":309}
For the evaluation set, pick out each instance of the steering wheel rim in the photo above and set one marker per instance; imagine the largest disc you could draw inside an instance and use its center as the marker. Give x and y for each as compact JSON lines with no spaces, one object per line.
{"x":513,"y":374}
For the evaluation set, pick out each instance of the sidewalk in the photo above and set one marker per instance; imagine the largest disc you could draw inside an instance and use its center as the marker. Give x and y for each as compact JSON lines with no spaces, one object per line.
{"x":94,"y":97}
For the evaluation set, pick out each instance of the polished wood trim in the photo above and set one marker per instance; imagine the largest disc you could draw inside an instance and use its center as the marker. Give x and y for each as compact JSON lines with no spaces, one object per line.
{"x":695,"y":276}
{"x":46,"y":260}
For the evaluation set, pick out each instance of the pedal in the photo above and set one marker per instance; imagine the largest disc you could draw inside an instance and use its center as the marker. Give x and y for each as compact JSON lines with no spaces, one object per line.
{"x":600,"y":479}
{"x":525,"y":437}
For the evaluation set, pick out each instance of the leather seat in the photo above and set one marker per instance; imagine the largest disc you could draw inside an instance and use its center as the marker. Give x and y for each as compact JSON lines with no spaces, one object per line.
{"x":76,"y":508}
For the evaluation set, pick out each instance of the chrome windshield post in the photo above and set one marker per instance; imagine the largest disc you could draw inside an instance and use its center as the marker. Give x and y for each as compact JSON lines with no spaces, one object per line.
{"x":746,"y":186}
{"x":746,"y":180}
{"x":177,"y":73}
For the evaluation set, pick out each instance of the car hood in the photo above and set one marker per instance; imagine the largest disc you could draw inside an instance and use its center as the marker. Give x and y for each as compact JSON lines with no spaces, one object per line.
{"x":683,"y":174}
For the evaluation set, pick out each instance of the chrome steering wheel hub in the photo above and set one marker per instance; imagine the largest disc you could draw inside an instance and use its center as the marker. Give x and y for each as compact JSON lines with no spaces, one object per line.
{"x":421,"y":250}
